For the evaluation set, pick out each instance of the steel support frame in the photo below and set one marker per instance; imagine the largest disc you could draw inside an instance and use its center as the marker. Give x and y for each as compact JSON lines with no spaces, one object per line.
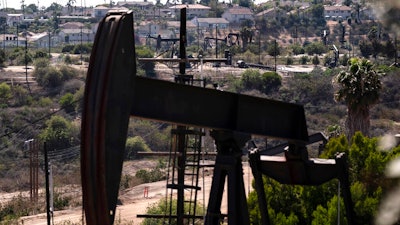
{"x":228,"y":164}
{"x":113,"y":93}
{"x":283,"y":168}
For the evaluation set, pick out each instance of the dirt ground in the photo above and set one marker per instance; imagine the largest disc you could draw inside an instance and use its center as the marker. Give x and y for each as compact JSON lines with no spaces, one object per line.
{"x":133,"y":201}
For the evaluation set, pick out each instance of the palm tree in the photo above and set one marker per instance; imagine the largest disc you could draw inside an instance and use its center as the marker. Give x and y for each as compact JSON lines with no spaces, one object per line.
{"x":359,"y":88}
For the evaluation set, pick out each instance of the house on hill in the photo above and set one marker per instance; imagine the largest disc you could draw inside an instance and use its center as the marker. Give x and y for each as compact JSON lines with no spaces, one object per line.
{"x":337,"y":11}
{"x":76,"y":36}
{"x":209,"y":23}
{"x":192,"y":10}
{"x":238,"y":14}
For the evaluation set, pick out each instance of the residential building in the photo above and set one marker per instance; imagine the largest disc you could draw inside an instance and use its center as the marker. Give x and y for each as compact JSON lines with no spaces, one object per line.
{"x":268,"y":13}
{"x":337,"y":12}
{"x":76,"y":36}
{"x":41,"y":40}
{"x":192,"y":10}
{"x":100,"y":11}
{"x":209,"y":23}
{"x":237,"y":15}
{"x":147,"y":28}
{"x":14,"y":19}
{"x":176,"y":25}
{"x":11,"y":40}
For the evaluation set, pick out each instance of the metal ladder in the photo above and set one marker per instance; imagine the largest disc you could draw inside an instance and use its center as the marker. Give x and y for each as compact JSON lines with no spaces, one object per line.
{"x":183,"y":175}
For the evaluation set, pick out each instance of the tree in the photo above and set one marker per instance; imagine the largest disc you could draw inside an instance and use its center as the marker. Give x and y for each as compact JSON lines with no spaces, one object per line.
{"x":273,"y":49}
{"x":21,"y":96}
{"x":2,"y":57}
{"x":347,"y":2}
{"x":295,"y":204}
{"x":5,"y":93}
{"x":147,"y":67}
{"x":164,"y":207}
{"x":315,"y":48}
{"x":31,"y":8}
{"x":315,"y":60}
{"x":359,"y":88}
{"x":70,"y":5}
{"x":59,"y":133}
{"x":247,"y":36}
{"x":67,"y":102}
{"x":134,"y":145}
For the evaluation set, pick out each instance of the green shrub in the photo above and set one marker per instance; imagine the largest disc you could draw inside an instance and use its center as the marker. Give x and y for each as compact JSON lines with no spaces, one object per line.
{"x":134,"y":145}
{"x":67,"y":102}
{"x":5,"y":93}
{"x":150,"y":176}
{"x":163,"y":208}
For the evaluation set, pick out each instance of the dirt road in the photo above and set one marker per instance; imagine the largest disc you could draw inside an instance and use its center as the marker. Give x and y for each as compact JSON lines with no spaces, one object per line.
{"x":134,"y":203}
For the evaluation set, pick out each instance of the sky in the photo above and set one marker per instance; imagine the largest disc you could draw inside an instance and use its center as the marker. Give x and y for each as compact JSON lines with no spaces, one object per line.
{"x":16,"y":4}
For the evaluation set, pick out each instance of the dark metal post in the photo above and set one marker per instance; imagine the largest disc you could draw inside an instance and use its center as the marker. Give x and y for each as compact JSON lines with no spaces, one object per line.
{"x":17,"y":35}
{"x":26,"y":62}
{"x":49,"y":44}
{"x":216,"y":41}
{"x":182,"y":42}
{"x":228,"y":164}
{"x":46,"y":168}
{"x":275,"y":50}
{"x":254,"y":157}
{"x":343,"y":175}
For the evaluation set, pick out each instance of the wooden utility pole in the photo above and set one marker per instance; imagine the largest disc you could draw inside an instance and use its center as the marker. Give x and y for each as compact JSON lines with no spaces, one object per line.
{"x":33,"y":149}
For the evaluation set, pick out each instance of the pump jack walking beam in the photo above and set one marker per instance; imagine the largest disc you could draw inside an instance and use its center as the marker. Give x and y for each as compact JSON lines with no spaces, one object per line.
{"x":113,"y":93}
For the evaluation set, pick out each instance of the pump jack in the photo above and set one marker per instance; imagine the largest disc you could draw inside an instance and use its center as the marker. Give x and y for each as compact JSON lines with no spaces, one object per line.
{"x":114,"y":93}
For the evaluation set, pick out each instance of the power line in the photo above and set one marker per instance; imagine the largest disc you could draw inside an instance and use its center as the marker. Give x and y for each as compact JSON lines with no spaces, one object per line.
{"x":40,"y":119}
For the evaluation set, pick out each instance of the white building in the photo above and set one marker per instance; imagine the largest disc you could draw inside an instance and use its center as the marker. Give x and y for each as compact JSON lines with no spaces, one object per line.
{"x":76,"y":36}
{"x":238,"y":14}
{"x":11,"y":40}
{"x":337,"y":11}
{"x":209,"y":23}
{"x":14,"y":19}
{"x":192,"y":10}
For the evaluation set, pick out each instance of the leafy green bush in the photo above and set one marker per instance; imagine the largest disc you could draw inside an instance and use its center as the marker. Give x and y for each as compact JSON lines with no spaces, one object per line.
{"x":59,"y":133}
{"x":67,"y":48}
{"x":18,"y":206}
{"x":315,"y":48}
{"x":297,"y":49}
{"x":2,"y":58}
{"x":52,"y":76}
{"x":147,"y":67}
{"x":21,"y":96}
{"x":265,"y":83}
{"x":67,"y":102}
{"x":163,"y":207}
{"x":315,"y":60}
{"x":134,"y":145}
{"x":82,"y":48}
{"x":150,"y":176}
{"x":318,"y":204}
{"x":5,"y":93}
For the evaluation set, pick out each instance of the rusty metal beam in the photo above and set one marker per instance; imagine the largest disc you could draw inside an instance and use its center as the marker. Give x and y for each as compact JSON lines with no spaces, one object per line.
{"x":201,"y":107}
{"x":177,"y":60}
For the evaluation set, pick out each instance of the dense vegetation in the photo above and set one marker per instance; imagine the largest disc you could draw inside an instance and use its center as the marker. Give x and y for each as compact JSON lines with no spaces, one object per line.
{"x":49,"y":110}
{"x":290,"y":204}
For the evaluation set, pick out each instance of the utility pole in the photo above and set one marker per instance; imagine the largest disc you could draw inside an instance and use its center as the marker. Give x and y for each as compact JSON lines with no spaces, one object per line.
{"x":49,"y":43}
{"x":33,"y":150}
{"x":259,"y":46}
{"x":216,"y":41}
{"x":275,"y":50}
{"x":47,"y":171}
{"x":26,"y":62}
